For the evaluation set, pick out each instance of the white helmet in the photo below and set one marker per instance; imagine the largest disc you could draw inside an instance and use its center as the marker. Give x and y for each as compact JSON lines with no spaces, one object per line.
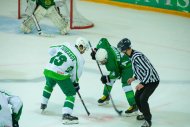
{"x":101,"y":55}
{"x":82,"y":44}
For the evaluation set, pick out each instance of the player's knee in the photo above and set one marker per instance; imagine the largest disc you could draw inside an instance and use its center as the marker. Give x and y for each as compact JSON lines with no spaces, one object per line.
{"x":143,"y":100}
{"x":71,"y":93}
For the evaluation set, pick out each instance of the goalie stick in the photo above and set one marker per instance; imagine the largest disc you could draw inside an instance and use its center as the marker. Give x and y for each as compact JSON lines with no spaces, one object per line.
{"x":38,"y":27}
{"x":113,"y":104}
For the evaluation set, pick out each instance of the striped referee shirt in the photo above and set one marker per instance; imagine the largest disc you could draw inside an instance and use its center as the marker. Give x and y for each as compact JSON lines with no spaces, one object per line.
{"x":143,"y":69}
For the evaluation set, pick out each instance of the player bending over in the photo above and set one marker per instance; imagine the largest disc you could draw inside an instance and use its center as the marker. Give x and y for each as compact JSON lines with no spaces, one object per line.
{"x":65,"y":68}
{"x":119,"y":66}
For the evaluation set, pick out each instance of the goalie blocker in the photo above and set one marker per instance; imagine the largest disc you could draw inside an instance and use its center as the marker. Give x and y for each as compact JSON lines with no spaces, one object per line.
{"x":41,"y":11}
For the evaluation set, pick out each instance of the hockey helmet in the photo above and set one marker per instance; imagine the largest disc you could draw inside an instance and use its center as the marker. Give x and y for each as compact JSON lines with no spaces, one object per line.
{"x":124,"y":44}
{"x":101,"y":56}
{"x":82,"y":44}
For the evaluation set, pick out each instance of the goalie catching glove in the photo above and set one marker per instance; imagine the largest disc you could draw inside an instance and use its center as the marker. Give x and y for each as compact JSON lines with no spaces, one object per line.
{"x":105,"y":79}
{"x":76,"y":85}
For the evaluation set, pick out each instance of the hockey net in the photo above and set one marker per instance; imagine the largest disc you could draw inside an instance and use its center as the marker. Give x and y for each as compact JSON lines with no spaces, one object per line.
{"x":68,"y":10}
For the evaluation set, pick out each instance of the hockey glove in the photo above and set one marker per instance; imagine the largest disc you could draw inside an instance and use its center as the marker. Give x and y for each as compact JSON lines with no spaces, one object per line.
{"x":93,"y":53}
{"x":77,"y":87}
{"x":105,"y":79}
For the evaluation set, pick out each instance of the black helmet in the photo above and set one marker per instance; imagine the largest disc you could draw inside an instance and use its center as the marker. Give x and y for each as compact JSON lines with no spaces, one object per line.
{"x":124,"y":44}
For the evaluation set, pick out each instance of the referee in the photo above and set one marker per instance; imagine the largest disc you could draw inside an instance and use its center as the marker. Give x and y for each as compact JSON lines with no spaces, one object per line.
{"x":146,"y":74}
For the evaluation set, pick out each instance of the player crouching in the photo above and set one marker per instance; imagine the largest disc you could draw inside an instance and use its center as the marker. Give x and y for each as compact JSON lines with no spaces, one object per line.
{"x":41,"y":9}
{"x":64,"y":68}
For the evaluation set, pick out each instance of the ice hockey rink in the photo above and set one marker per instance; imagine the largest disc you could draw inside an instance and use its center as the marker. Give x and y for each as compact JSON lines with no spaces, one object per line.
{"x":163,"y":38}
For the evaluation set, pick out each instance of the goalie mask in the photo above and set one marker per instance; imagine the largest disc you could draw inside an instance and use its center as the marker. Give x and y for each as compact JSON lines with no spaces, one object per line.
{"x":82,"y":44}
{"x":101,"y":56}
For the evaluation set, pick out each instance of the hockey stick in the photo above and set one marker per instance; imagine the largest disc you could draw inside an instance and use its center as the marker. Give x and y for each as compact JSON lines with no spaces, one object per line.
{"x":38,"y":27}
{"x":83,"y":103}
{"x":113,"y":104}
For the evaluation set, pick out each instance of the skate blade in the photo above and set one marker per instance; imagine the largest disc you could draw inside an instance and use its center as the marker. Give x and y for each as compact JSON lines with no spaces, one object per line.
{"x":43,"y":112}
{"x":68,"y":122}
{"x":104,"y":103}
{"x":131,"y":114}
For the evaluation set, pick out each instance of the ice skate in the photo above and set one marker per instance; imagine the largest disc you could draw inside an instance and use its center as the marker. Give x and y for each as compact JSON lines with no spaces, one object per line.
{"x":68,"y":119}
{"x":43,"y":107}
{"x":140,"y":117}
{"x":103,"y":100}
{"x":132,"y":111}
{"x":146,"y":124}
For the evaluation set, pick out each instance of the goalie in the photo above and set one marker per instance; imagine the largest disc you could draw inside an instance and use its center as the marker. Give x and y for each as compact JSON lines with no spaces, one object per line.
{"x":41,"y":9}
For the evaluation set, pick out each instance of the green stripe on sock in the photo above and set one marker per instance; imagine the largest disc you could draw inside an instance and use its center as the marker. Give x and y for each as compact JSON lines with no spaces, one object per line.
{"x":69,"y":102}
{"x":47,"y":92}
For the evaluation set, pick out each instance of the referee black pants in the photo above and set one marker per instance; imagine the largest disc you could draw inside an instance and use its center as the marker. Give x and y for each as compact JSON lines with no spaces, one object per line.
{"x":141,"y":98}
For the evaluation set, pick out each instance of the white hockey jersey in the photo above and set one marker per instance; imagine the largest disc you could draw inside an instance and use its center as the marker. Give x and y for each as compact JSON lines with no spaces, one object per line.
{"x":66,"y":61}
{"x":5,"y":112}
{"x":9,"y":104}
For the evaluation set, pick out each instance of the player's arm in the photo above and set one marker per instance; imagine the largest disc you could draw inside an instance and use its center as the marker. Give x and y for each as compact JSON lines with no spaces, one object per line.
{"x":103,"y":43}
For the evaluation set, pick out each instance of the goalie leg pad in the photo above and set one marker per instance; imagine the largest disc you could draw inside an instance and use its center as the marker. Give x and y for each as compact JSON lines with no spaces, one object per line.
{"x":31,"y":5}
{"x":60,"y":22}
{"x":40,"y":13}
{"x":28,"y":24}
{"x":24,"y":29}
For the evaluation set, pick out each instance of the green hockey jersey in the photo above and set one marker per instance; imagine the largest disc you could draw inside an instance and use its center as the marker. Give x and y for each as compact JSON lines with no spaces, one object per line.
{"x":114,"y":58}
{"x":45,"y":3}
{"x":117,"y":64}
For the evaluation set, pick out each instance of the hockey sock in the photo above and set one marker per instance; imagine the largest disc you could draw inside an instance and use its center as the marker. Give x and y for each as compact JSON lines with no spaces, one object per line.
{"x":129,"y":94}
{"x":47,"y":91}
{"x":69,"y":102}
{"x":107,"y":90}
{"x":130,"y":98}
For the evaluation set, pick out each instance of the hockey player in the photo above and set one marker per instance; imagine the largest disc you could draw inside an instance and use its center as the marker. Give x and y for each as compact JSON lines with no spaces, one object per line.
{"x":41,"y":9}
{"x":10,"y":109}
{"x":119,"y":66}
{"x":65,"y":68}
